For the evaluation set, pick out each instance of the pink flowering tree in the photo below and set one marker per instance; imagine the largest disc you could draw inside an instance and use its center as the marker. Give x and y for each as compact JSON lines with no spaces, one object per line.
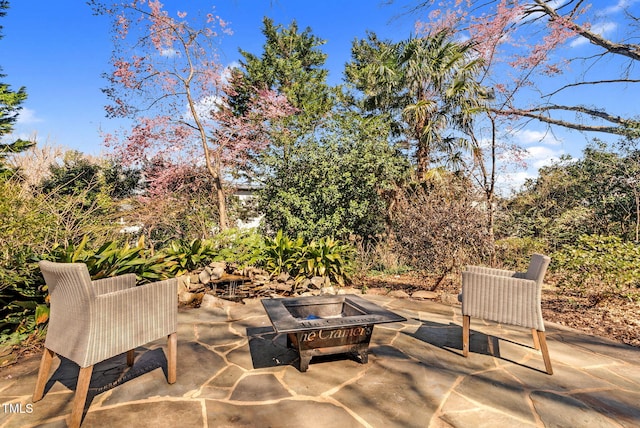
{"x":526,"y":48}
{"x":529,"y":45}
{"x":168,"y":81}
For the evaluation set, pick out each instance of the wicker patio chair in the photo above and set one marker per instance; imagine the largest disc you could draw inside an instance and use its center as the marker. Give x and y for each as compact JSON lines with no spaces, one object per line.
{"x":506,"y":297}
{"x":91,"y":321}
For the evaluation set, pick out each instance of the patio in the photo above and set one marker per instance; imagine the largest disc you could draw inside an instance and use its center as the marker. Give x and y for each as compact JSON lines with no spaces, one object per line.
{"x":233,"y":370}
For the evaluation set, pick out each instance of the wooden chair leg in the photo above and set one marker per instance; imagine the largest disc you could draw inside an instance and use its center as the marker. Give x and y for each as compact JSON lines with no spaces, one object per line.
{"x":466,"y":326}
{"x":84,"y":379}
{"x":131,"y":356}
{"x":172,"y":354}
{"x":536,"y":342}
{"x":43,"y":374}
{"x":545,"y":351}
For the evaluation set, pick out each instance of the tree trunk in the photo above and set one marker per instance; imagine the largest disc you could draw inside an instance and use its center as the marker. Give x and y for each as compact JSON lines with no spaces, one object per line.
{"x":223,"y":221}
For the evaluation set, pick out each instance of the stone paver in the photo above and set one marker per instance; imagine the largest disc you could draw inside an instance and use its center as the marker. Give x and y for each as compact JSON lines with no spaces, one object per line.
{"x":234,"y":371}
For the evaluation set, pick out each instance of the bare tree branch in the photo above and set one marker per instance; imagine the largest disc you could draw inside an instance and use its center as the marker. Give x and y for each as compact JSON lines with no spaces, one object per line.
{"x":625,"y":49}
{"x":626,"y":127}
{"x":595,"y":82}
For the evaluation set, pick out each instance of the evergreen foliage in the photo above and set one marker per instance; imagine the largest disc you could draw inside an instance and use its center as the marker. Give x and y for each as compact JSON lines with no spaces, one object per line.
{"x":337,"y":182}
{"x":10,"y":105}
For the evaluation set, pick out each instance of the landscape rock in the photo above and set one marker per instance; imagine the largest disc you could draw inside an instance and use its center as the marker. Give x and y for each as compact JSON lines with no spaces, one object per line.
{"x":283,"y":286}
{"x":424,"y":294}
{"x":260,"y":279}
{"x":317,"y":282}
{"x":187,"y":298}
{"x":450,"y":299}
{"x":400,"y":294}
{"x":217,"y":272}
{"x":216,"y":265}
{"x":283,"y":277}
{"x":183,"y":283}
{"x":204,"y":277}
{"x":212,"y":302}
{"x":330,"y":290}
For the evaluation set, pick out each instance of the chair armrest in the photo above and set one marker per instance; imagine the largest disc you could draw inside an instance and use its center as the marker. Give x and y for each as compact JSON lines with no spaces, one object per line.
{"x":115,"y":283}
{"x":490,"y":271}
{"x":125,"y":319}
{"x":502,"y":299}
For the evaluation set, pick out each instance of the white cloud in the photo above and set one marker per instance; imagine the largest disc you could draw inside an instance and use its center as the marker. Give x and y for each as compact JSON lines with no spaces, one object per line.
{"x":539,"y":156}
{"x":169,"y":53}
{"x":601,"y":29}
{"x":204,"y":107}
{"x":530,"y":136}
{"x":27,"y":116}
{"x":512,"y":181}
{"x":620,"y":6}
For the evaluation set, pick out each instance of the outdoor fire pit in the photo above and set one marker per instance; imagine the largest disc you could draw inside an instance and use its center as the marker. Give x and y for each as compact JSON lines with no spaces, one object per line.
{"x":325,"y":325}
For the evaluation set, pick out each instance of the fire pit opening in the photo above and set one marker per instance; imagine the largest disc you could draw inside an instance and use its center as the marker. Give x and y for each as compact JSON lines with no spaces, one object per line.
{"x":338,"y":309}
{"x":324,"y":325}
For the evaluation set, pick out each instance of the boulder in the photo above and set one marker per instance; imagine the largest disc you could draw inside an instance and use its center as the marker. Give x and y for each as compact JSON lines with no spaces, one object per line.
{"x":216,"y":265}
{"x":193,"y":278}
{"x":217,"y":272}
{"x":212,"y":302}
{"x":284,"y":286}
{"x":204,"y":277}
{"x":186,"y":298}
{"x":450,"y":299}
{"x":260,"y":279}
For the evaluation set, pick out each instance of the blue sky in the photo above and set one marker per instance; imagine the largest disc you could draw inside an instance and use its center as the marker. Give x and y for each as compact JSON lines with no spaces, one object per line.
{"x":58,"y":51}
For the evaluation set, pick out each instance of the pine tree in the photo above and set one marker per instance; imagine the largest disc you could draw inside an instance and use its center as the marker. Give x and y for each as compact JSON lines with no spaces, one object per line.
{"x":10,"y":105}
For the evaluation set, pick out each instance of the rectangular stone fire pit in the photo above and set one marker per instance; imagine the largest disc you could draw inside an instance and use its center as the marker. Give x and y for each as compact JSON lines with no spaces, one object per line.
{"x":324,"y":325}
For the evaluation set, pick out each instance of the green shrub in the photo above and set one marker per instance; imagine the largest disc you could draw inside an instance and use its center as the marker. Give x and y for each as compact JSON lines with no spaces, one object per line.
{"x":603,"y":266}
{"x":243,"y":247}
{"x":330,"y":258}
{"x":185,"y":256}
{"x":515,"y":252}
{"x":114,"y":258}
{"x":21,"y":296}
{"x":323,"y":257}
{"x":282,"y":254}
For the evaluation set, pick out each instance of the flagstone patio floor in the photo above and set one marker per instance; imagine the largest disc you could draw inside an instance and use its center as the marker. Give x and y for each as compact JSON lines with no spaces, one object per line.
{"x":234,"y":371}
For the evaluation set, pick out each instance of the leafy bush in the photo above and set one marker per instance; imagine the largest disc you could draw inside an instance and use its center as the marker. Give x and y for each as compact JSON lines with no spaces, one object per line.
{"x":282,"y":254}
{"x":337,"y":182}
{"x":330,"y":258}
{"x":600,"y":267}
{"x":32,"y":223}
{"x":114,"y":258}
{"x":185,"y":256}
{"x":244,"y":247}
{"x":514,"y":252}
{"x":324,"y":257}
{"x":21,"y":296}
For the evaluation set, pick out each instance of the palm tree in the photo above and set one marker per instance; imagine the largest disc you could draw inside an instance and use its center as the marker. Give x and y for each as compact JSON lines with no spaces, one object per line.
{"x":427,"y":83}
